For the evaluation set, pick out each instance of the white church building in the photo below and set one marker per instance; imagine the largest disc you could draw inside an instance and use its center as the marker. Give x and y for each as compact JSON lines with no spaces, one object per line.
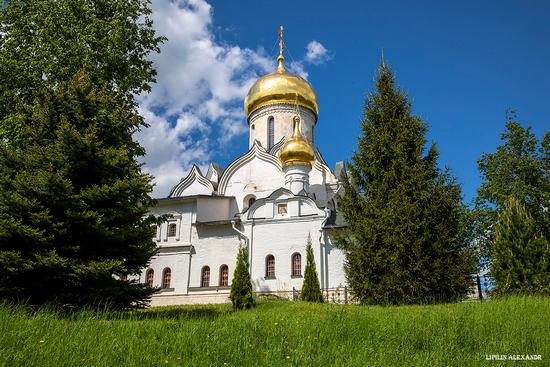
{"x":270,"y":199}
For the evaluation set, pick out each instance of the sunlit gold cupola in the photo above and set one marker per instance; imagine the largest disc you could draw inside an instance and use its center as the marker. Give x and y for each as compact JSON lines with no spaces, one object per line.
{"x":297,"y":150}
{"x":281,"y":87}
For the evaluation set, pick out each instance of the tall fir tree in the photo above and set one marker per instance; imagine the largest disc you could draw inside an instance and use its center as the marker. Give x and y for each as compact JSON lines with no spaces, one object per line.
{"x":311,"y":290}
{"x":73,"y":202}
{"x":408,"y":234}
{"x":518,"y":168}
{"x":520,"y":258}
{"x":73,"y":198}
{"x":241,"y":295}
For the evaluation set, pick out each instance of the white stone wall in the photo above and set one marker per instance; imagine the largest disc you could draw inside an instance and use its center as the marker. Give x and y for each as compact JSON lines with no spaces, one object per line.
{"x":211,"y":209}
{"x":283,"y":115}
{"x":257,"y":177}
{"x":214,"y":246}
{"x":180,"y":213}
{"x":332,"y":266}
{"x":177,"y":261}
{"x":281,"y":239}
{"x":196,"y":188}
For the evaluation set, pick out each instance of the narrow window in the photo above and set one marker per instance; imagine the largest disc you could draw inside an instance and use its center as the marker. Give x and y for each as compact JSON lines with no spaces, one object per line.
{"x":270,"y":132}
{"x":270,"y":266}
{"x":172,"y":230}
{"x":166,"y":277}
{"x":205,"y":276}
{"x":149,"y":278}
{"x":296,"y":265}
{"x":224,"y":276}
{"x":154,"y":231}
{"x":248,"y":200}
{"x":124,"y":277}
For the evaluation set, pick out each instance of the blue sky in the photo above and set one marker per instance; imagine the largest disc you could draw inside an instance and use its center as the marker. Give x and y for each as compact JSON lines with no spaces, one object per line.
{"x":462,"y":65}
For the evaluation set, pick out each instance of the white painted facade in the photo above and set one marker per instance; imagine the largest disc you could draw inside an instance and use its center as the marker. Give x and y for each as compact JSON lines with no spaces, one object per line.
{"x":248,"y":203}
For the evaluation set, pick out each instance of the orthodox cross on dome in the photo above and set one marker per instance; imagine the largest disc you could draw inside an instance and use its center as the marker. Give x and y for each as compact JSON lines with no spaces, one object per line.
{"x":281,"y":42}
{"x":281,"y":59}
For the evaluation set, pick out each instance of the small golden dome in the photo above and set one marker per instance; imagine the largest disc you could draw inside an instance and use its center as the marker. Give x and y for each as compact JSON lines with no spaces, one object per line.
{"x":281,"y":87}
{"x":297,"y":150}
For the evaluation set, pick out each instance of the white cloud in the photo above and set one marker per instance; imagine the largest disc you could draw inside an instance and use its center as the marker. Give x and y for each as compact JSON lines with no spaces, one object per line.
{"x":196,"y":104}
{"x":199,"y":91}
{"x":316,"y":53}
{"x":297,"y":67}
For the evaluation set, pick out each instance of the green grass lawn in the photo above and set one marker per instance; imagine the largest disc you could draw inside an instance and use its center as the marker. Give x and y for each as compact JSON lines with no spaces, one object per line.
{"x":279,"y":333}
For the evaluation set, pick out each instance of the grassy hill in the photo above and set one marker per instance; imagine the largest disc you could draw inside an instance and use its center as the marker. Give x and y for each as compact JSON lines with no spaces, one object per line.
{"x":279,"y":333}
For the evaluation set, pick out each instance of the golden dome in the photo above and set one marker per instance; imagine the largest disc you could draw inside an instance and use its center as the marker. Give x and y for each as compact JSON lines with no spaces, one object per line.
{"x":281,"y":87}
{"x":297,"y":150}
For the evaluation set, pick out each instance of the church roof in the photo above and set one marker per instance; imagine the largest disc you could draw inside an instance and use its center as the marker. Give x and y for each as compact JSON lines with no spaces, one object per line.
{"x":335,"y":220}
{"x":176,"y":199}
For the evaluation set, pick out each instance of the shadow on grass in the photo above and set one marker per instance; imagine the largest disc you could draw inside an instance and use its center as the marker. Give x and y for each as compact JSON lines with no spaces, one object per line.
{"x":167,"y":313}
{"x":208,"y":312}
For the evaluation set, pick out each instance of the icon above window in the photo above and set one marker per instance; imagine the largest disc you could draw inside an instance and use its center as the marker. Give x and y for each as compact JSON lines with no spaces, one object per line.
{"x":282,"y":209}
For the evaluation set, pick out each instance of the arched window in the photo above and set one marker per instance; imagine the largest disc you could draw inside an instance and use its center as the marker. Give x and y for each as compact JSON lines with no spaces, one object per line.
{"x":296,"y":265}
{"x":270,"y":132}
{"x":154,"y":231}
{"x":205,"y":276}
{"x":224,"y":276}
{"x":166,"y":277}
{"x":248,"y":201}
{"x":172,"y":230}
{"x":149,"y":278}
{"x":270,"y":266}
{"x":124,"y":277}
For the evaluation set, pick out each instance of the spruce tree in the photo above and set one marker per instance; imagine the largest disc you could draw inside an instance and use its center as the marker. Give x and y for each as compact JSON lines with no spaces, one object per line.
{"x":73,"y":202}
{"x":311,"y":290}
{"x":241,"y":295}
{"x":407,"y":239}
{"x":518,"y":168}
{"x":520,"y":259}
{"x":73,"y":198}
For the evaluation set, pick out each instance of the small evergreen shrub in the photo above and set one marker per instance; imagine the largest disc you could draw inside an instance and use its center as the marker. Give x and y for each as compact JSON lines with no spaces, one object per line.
{"x":241,"y":288}
{"x":311,"y":290}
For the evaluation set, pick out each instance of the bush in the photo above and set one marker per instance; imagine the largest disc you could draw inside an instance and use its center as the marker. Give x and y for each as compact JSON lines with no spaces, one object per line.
{"x":311,"y":290}
{"x":241,"y":288}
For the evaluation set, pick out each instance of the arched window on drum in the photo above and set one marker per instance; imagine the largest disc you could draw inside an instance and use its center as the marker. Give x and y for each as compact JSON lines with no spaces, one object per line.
{"x":270,"y":132}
